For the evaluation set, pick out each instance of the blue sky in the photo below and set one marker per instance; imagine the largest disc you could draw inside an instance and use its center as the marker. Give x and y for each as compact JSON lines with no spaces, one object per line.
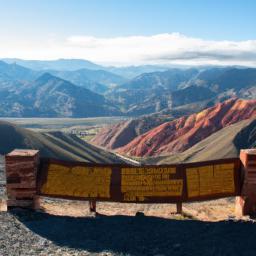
{"x":32,"y":26}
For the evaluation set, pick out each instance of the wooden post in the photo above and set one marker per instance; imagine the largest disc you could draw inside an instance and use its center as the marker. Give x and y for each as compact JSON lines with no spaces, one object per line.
{"x":36,"y":203}
{"x":3,"y":205}
{"x":92,"y":206}
{"x":179,"y":208}
{"x":246,"y":203}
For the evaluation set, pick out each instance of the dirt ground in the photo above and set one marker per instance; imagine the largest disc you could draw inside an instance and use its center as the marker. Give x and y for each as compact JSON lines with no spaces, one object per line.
{"x":214,"y":210}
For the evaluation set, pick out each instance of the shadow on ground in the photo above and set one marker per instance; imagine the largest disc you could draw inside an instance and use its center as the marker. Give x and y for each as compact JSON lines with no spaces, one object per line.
{"x":144,"y":235}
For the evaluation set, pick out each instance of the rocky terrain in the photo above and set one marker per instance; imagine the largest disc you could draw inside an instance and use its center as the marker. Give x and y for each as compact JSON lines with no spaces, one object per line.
{"x":182,"y":133}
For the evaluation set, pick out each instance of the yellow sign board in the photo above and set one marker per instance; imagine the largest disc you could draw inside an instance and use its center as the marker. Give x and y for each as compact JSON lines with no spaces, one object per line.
{"x":146,"y":184}
{"x":141,"y":182}
{"x":211,"y":179}
{"x":78,"y":181}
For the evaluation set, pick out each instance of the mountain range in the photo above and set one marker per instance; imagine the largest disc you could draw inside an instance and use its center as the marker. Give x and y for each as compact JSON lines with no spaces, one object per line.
{"x":176,"y":135}
{"x":88,"y":89}
{"x":60,"y":64}
{"x":161,"y":91}
{"x":96,"y":80}
{"x":50,"y":96}
{"x":128,"y":72}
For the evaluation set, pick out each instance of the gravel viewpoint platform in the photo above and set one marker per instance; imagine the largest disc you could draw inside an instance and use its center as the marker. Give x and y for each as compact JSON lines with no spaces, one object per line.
{"x":24,"y":232}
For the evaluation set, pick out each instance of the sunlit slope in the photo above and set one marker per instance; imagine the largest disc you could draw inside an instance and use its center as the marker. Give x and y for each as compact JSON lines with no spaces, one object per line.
{"x":54,"y":145}
{"x":225,"y":143}
{"x":181,"y":134}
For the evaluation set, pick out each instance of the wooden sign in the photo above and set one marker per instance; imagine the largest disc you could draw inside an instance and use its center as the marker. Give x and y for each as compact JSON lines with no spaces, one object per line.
{"x":142,"y":183}
{"x":78,"y":181}
{"x":145,"y":184}
{"x":211,"y":180}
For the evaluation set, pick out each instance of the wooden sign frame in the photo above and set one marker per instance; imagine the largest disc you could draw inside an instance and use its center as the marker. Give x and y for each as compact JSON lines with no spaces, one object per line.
{"x":140,"y":184}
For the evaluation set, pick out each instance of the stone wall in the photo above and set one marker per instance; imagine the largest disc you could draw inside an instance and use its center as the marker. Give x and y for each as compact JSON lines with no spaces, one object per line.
{"x":246,"y":203}
{"x":21,"y":171}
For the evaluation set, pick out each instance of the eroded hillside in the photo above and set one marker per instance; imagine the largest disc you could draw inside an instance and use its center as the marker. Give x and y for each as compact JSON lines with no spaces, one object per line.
{"x":182,"y":133}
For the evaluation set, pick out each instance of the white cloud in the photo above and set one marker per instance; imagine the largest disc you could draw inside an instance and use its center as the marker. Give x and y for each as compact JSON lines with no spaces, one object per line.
{"x":171,"y":48}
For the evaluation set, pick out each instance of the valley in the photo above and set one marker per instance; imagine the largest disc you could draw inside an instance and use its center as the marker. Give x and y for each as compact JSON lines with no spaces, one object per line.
{"x":140,"y":112}
{"x":62,"y":123}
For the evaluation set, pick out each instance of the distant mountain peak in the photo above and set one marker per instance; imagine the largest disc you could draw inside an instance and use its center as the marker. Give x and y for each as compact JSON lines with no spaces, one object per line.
{"x":59,"y":64}
{"x":46,"y":77}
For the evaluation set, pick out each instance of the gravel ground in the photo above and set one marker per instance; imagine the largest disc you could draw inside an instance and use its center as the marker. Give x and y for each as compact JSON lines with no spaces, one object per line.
{"x":24,"y":232}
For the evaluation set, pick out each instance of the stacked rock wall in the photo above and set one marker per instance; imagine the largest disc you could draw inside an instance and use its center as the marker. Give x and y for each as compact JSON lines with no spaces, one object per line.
{"x":246,"y":203}
{"x":21,"y":172}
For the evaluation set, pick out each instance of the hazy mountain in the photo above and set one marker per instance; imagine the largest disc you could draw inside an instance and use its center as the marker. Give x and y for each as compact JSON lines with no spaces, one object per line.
{"x":135,"y":98}
{"x":74,"y":64}
{"x":11,"y":72}
{"x":50,"y":96}
{"x":96,"y":80}
{"x":140,"y":102}
{"x":131,"y":72}
{"x":146,"y":94}
{"x":60,"y":64}
{"x":171,"y":79}
{"x":222,"y":79}
{"x":152,"y":92}
{"x":157,"y":91}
